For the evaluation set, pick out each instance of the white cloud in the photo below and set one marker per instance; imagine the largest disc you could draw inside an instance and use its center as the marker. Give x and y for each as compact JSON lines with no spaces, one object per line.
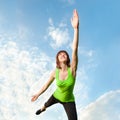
{"x":59,"y":35}
{"x":87,"y":53}
{"x":19,"y":72}
{"x":106,"y":107}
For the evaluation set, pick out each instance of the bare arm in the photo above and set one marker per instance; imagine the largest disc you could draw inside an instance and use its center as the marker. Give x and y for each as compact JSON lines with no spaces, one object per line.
{"x":45,"y":86}
{"x":75,"y":25}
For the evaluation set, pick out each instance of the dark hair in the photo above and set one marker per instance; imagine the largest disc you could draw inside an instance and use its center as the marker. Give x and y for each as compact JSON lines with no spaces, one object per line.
{"x":57,"y":60}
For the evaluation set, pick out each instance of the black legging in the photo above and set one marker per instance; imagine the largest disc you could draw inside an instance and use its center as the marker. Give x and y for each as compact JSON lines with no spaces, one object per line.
{"x":69,"y":107}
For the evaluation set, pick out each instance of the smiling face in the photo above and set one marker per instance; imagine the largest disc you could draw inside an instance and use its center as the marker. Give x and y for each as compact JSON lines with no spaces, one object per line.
{"x":62,"y":57}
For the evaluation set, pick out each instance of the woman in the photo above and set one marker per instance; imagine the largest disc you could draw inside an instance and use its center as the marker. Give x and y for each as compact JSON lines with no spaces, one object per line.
{"x":65,"y":74}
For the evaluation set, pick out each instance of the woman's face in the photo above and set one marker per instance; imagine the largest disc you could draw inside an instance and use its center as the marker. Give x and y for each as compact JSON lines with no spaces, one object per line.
{"x":62,"y":57}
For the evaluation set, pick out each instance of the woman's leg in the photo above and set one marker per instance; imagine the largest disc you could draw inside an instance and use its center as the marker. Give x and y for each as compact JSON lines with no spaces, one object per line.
{"x":50,"y":102}
{"x":70,"y":109}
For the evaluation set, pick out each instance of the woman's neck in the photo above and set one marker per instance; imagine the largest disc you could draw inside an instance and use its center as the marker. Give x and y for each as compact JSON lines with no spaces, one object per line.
{"x":63,"y":67}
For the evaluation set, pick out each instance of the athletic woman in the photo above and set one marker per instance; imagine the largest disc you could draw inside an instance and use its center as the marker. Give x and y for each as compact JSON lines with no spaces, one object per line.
{"x":65,"y":76}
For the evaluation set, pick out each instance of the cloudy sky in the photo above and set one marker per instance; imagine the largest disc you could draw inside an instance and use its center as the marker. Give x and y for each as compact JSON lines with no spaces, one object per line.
{"x":33,"y":31}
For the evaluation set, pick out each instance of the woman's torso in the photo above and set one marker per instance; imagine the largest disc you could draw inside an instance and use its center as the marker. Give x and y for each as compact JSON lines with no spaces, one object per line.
{"x":64,"y":91}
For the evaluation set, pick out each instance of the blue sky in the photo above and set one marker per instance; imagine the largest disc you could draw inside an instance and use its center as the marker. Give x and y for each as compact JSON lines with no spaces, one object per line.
{"x":33,"y":31}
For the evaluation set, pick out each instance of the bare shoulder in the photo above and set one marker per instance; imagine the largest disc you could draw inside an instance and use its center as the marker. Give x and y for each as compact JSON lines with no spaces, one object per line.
{"x":53,"y":73}
{"x":51,"y":77}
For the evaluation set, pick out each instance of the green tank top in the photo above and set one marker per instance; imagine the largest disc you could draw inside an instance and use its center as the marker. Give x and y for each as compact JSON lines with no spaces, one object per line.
{"x":64,"y":91}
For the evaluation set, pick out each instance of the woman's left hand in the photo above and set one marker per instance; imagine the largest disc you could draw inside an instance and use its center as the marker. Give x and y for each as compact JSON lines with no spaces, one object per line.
{"x":75,"y":19}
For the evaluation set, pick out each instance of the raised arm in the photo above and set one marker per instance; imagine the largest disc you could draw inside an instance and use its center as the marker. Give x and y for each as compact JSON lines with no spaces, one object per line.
{"x":75,"y":25}
{"x":45,"y":86}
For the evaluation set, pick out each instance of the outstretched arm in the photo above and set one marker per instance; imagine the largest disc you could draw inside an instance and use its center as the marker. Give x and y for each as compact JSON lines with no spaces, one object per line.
{"x":75,"y":25}
{"x":45,"y":86}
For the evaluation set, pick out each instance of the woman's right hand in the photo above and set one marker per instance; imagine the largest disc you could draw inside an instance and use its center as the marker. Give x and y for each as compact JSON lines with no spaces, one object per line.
{"x":34,"y":97}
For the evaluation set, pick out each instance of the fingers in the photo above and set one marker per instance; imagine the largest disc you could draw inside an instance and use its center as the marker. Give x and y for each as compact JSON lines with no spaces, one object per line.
{"x":75,"y":13}
{"x":33,"y":98}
